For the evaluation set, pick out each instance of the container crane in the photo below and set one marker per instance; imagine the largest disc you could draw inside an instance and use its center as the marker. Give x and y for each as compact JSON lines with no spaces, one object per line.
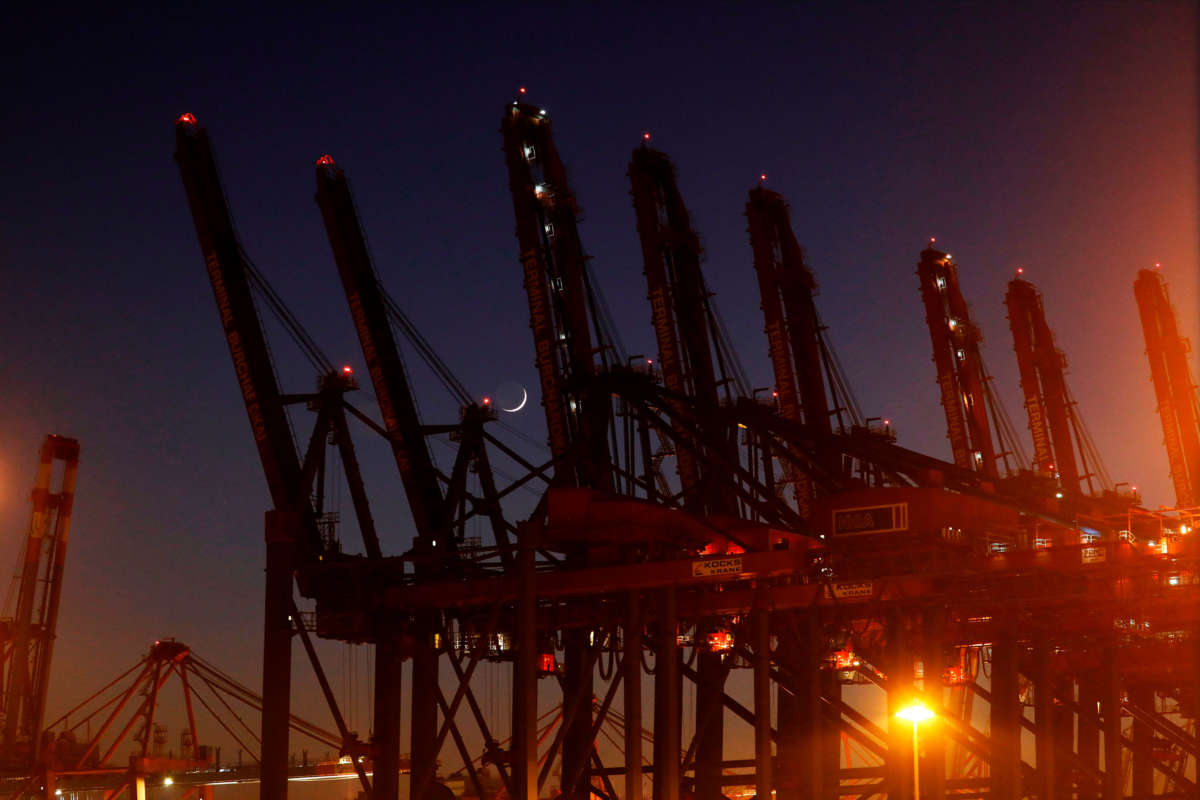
{"x":291,"y":530}
{"x":686,"y":333}
{"x":1174,"y":388}
{"x":29,"y":634}
{"x":565,"y":323}
{"x":435,"y":542}
{"x":1054,"y":422}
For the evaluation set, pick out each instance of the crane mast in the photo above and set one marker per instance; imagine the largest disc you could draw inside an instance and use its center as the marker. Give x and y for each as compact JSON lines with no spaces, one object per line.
{"x":678,"y":308}
{"x":1051,"y":414}
{"x":1174,"y":388}
{"x":556,"y":283}
{"x":961,"y":377}
{"x":786,"y":287}
{"x":370,"y":316}
{"x":31,"y":631}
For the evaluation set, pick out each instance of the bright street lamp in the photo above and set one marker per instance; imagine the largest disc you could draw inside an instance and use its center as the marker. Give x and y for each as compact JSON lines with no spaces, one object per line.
{"x":916,"y":713}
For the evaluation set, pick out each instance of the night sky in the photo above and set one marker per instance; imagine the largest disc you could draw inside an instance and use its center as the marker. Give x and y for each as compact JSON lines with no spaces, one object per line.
{"x":1061,"y":140}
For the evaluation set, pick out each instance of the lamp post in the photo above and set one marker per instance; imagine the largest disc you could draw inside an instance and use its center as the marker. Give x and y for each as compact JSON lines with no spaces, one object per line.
{"x":916,"y":713}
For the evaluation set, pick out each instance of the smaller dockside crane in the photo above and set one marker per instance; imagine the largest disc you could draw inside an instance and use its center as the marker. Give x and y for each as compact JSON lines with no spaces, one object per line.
{"x":28,"y":634}
{"x":1174,"y":388}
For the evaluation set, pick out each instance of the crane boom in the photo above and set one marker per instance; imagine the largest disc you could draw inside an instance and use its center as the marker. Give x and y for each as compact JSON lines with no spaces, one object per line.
{"x":388,"y":378}
{"x":1047,"y":403}
{"x":32,"y":629}
{"x":961,"y":377}
{"x":671,"y":259}
{"x":553,"y":262}
{"x":228,"y":273}
{"x":1174,"y":389}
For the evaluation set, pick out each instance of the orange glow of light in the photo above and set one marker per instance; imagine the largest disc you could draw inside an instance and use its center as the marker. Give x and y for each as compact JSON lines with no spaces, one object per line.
{"x":325,"y":161}
{"x":845,"y":659}
{"x":1157,"y":265}
{"x":186,"y":118}
{"x":720,"y":641}
{"x":915,"y":713}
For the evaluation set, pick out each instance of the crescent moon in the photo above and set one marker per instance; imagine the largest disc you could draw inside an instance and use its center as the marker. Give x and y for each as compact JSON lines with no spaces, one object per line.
{"x":520,"y":405}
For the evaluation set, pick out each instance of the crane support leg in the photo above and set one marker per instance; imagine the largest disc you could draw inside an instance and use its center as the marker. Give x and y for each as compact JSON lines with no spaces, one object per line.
{"x":1044,"y":717}
{"x":424,"y":720}
{"x":830,"y":779}
{"x":899,"y":768}
{"x":577,"y":693}
{"x":800,"y":722}
{"x":1006,"y":718}
{"x":281,"y":530}
{"x":1063,"y":735}
{"x":760,"y":623}
{"x":1110,"y":709}
{"x":632,"y":675}
{"x":668,"y":696}
{"x":1143,"y":743}
{"x":933,"y":660}
{"x":524,"y":718}
{"x":1089,"y":734}
{"x":710,"y":720}
{"x":388,"y":695}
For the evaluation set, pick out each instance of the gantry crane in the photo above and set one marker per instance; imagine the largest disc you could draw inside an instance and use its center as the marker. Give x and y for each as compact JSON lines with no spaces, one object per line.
{"x":292,"y":533}
{"x":1174,"y":388}
{"x":1059,"y":435}
{"x":28,"y":635}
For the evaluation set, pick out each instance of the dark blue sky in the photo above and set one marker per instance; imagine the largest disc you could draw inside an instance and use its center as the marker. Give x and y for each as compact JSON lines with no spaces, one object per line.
{"x":1063,"y":140}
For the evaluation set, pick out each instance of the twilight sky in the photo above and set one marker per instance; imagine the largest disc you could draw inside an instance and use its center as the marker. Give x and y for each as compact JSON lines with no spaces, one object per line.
{"x":1061,"y":140}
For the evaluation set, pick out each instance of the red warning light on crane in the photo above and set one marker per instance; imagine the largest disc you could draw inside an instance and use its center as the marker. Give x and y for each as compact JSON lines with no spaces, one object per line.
{"x":346,"y":370}
{"x":325,"y":161}
{"x":646,"y":136}
{"x":522,"y":90}
{"x":1020,"y":270}
{"x":187,"y":119}
{"x":487,"y":401}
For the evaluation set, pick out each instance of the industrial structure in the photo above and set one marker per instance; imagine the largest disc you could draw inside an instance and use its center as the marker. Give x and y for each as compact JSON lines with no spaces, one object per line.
{"x":693,"y":532}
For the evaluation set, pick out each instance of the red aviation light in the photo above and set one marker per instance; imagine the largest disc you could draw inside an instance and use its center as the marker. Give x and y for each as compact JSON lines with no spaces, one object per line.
{"x":346,"y":370}
{"x":487,"y":401}
{"x":1157,"y":265}
{"x":646,"y":136}
{"x":1020,"y":270}
{"x":325,"y":161}
{"x":762,"y":177}
{"x":187,"y":119}
{"x":521,"y":90}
